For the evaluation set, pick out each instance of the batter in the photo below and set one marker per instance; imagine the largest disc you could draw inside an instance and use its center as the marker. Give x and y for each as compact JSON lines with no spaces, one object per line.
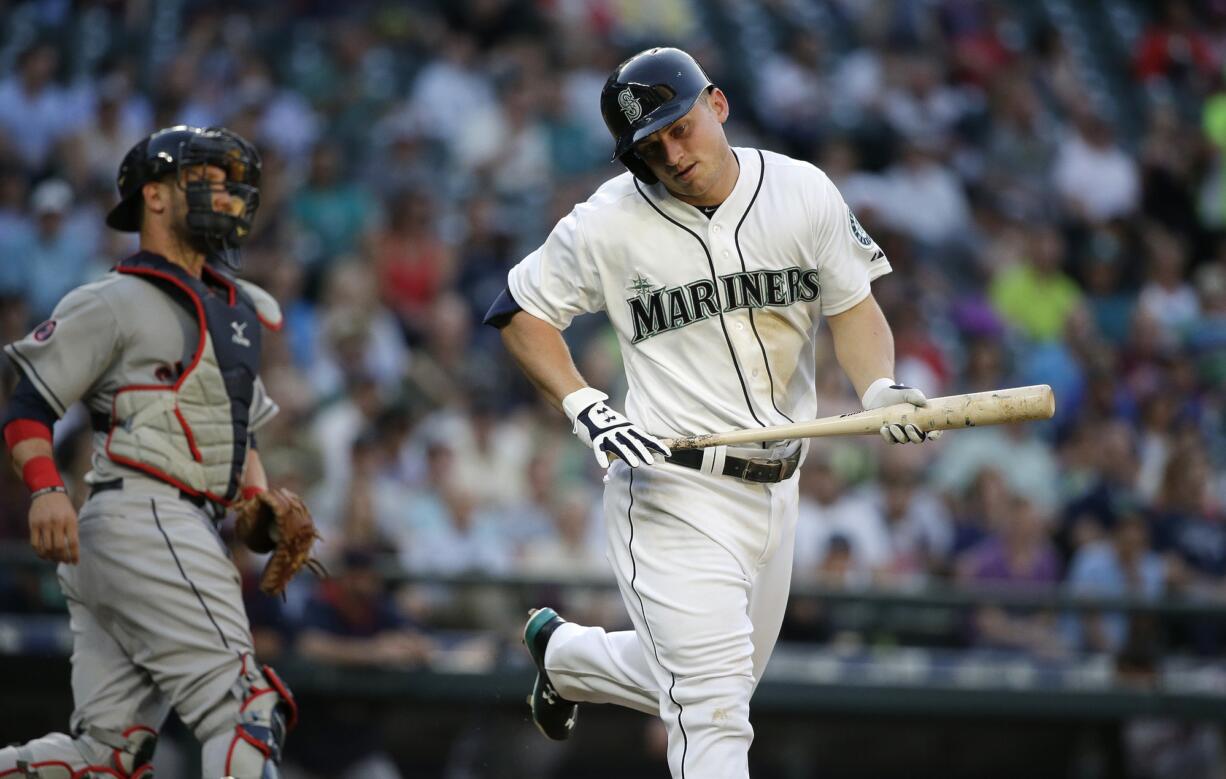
{"x":164,"y":352}
{"x":716,"y":266}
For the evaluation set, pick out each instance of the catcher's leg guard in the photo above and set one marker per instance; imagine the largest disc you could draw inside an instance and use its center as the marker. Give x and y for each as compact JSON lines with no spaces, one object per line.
{"x":252,"y":750}
{"x":98,"y":754}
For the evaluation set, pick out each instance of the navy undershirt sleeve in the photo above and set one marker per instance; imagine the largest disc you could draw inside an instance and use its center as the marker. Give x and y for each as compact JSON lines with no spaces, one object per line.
{"x":504,"y":308}
{"x":26,"y":403}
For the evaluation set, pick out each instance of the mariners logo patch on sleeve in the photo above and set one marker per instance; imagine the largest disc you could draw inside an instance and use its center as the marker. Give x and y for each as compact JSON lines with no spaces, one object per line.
{"x":857,"y":231}
{"x":44,"y":331}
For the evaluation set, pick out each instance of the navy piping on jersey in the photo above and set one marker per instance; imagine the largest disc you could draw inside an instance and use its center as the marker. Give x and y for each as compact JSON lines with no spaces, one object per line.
{"x":634,"y":572}
{"x":736,"y":239}
{"x":715,"y":282}
{"x":153,"y":505}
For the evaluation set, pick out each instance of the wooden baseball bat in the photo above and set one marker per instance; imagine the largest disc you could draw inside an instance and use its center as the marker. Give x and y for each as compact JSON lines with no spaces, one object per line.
{"x":995,"y":407}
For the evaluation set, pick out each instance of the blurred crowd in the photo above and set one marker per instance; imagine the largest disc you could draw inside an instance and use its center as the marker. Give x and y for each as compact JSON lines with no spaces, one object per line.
{"x":1044,"y":227}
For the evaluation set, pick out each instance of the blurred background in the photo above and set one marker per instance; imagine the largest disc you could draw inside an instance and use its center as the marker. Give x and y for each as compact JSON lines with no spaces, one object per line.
{"x":1046,"y":176}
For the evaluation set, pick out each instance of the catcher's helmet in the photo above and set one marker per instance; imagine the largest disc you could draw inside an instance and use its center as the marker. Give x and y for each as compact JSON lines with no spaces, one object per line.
{"x":164,"y":154}
{"x":646,"y":93}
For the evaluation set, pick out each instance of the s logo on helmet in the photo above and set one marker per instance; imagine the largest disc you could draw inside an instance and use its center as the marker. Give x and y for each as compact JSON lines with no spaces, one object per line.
{"x":629,"y":105}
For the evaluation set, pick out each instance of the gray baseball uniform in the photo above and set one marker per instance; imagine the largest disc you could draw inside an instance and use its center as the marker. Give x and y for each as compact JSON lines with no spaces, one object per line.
{"x":155,"y":602}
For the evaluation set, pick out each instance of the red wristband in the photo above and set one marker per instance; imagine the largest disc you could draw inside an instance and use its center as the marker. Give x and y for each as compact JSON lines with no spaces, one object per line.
{"x":23,"y":430}
{"x":40,"y":472}
{"x":250,"y":491}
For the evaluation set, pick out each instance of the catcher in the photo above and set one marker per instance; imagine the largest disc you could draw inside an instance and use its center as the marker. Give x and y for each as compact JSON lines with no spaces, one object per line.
{"x":164,"y":352}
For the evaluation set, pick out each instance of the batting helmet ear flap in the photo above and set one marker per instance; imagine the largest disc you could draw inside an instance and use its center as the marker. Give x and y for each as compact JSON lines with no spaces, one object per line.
{"x":635,"y":164}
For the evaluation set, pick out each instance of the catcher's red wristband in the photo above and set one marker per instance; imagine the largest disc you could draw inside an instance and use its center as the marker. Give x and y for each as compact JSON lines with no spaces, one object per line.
{"x":40,"y":472}
{"x":23,"y":430}
{"x":250,"y":491}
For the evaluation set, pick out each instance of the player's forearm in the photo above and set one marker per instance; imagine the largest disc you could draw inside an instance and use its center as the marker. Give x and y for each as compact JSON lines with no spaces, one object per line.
{"x":253,"y":472}
{"x":543,"y":356}
{"x":28,"y":450}
{"x":863,"y":344}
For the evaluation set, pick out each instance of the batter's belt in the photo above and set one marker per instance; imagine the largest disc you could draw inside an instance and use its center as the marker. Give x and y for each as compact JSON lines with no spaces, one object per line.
{"x":760,"y":470}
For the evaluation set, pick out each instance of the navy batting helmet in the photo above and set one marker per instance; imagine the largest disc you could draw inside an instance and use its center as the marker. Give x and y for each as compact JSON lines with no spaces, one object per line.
{"x":646,"y":93}
{"x":165,"y":154}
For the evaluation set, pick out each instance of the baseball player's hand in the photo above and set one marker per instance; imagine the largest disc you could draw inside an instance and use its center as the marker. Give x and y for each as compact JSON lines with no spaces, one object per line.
{"x":608,"y":432}
{"x":53,"y":528}
{"x":884,"y":392}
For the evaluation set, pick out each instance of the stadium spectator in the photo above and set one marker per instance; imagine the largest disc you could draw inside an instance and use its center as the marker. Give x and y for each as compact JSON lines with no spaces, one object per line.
{"x":1123,"y":564}
{"x":35,"y":111}
{"x":351,"y":621}
{"x":1035,"y":296}
{"x":917,"y":523}
{"x":1097,"y":178}
{"x":828,"y":511}
{"x":332,"y":213}
{"x":1017,"y":554}
{"x":411,"y":262}
{"x":53,"y":253}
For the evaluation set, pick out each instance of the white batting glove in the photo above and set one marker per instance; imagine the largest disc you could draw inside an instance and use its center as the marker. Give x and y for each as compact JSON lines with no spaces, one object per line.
{"x":608,"y":432}
{"x":884,"y":392}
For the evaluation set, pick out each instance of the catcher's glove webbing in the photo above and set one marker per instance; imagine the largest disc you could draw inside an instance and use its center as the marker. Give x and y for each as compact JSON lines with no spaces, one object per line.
{"x":277,"y":521}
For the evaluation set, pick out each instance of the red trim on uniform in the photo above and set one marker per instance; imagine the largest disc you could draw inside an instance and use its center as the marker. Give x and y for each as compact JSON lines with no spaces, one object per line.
{"x":232,"y":293}
{"x":276,"y":328}
{"x":95,"y":771}
{"x":255,"y":693}
{"x":202,"y":321}
{"x":155,"y":473}
{"x":144,"y":769}
{"x":191,"y":439}
{"x":285,"y":694}
{"x":24,"y":430}
{"x":40,"y":472}
{"x":242,"y":735}
{"x":249,"y":492}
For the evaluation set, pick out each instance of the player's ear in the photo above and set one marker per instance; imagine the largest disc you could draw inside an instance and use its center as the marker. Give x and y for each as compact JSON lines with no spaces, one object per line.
{"x":717,"y":101}
{"x":156,"y":196}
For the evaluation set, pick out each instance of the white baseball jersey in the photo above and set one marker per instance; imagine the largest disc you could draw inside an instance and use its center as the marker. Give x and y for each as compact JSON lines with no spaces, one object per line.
{"x":716,"y":316}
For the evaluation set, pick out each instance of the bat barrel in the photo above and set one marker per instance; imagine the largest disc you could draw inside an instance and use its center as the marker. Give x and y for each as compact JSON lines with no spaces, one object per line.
{"x":995,"y":407}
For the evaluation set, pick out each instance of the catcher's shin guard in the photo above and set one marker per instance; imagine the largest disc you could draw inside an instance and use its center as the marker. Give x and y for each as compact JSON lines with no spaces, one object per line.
{"x":268,"y":712}
{"x":130,"y":753}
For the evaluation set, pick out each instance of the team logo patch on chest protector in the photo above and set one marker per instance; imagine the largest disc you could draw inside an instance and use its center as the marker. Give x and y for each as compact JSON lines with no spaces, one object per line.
{"x":655,"y":310}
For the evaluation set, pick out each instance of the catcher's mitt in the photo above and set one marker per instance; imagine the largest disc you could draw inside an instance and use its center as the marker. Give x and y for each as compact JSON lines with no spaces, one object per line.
{"x":277,"y":521}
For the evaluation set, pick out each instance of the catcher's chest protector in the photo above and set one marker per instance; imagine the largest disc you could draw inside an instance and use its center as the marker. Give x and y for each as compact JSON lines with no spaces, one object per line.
{"x":193,"y":433}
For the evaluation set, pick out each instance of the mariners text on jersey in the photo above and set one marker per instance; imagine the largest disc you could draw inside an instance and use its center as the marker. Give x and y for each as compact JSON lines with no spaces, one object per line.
{"x":656,"y":311}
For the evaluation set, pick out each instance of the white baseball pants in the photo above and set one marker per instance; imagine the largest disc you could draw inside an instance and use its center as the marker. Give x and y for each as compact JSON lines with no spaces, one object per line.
{"x":704,"y":564}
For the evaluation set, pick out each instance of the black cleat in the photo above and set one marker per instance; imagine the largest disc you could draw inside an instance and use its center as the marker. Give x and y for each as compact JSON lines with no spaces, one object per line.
{"x":553,"y":715}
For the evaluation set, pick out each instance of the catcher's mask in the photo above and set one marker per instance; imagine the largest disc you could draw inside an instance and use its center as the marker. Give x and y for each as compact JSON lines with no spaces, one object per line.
{"x":172,"y":152}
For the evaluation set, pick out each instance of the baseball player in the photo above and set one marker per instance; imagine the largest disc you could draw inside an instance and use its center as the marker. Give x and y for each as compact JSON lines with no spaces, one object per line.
{"x":164,"y":352}
{"x":715,"y":266}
